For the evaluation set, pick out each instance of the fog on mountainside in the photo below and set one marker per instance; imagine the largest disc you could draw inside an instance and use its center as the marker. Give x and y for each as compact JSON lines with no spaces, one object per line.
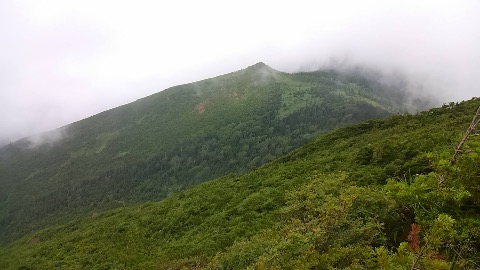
{"x":397,"y":88}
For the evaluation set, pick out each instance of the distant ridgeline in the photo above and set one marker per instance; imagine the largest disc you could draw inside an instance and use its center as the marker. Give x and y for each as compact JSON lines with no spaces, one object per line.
{"x":175,"y":139}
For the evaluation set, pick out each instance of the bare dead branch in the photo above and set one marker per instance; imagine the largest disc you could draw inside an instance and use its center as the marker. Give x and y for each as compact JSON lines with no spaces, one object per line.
{"x":472,"y":127}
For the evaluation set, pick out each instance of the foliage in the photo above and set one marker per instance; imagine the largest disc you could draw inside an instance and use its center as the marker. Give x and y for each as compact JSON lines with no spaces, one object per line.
{"x":175,"y":139}
{"x":318,"y":207}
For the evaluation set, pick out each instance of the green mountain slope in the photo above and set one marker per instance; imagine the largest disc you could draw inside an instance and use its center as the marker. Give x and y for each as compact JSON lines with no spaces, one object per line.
{"x":376,"y":195}
{"x":174,"y":139}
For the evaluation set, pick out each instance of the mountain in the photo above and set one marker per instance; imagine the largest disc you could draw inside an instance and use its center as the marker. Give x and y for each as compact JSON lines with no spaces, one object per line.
{"x":175,"y":139}
{"x":381,"y":194}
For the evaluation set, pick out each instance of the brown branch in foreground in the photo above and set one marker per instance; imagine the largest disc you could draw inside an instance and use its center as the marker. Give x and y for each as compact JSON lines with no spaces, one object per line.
{"x":473,"y":125}
{"x":414,"y":244}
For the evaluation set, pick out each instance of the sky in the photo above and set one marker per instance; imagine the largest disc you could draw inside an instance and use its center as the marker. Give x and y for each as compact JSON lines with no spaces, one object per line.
{"x":62,"y":61}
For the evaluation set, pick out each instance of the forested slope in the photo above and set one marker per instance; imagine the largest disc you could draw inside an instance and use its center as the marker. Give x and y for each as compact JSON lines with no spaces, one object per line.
{"x":174,"y":139}
{"x":380,"y":194}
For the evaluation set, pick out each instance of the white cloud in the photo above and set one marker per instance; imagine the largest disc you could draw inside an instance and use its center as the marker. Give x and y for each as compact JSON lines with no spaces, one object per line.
{"x":61,"y":61}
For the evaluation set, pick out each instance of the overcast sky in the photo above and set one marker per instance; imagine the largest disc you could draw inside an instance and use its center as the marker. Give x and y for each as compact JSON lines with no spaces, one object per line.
{"x":61,"y":61}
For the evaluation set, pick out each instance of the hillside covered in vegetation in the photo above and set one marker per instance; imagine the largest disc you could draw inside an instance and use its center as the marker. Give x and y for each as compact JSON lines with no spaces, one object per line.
{"x":175,"y":139}
{"x":381,"y":194}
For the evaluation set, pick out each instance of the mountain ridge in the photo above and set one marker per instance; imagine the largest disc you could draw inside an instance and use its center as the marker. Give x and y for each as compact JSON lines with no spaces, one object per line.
{"x":179,"y":137}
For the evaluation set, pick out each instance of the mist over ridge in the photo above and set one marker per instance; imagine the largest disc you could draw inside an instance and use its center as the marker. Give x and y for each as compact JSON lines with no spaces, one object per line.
{"x":395,"y":86}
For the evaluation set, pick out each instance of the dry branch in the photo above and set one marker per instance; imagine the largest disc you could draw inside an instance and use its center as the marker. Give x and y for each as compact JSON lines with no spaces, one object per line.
{"x":472,"y":127}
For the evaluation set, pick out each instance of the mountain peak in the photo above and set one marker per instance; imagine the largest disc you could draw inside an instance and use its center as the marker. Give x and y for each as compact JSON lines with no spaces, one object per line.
{"x":259,"y":65}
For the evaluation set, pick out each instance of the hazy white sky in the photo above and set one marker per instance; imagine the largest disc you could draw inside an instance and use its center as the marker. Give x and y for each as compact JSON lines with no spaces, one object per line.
{"x":61,"y":61}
